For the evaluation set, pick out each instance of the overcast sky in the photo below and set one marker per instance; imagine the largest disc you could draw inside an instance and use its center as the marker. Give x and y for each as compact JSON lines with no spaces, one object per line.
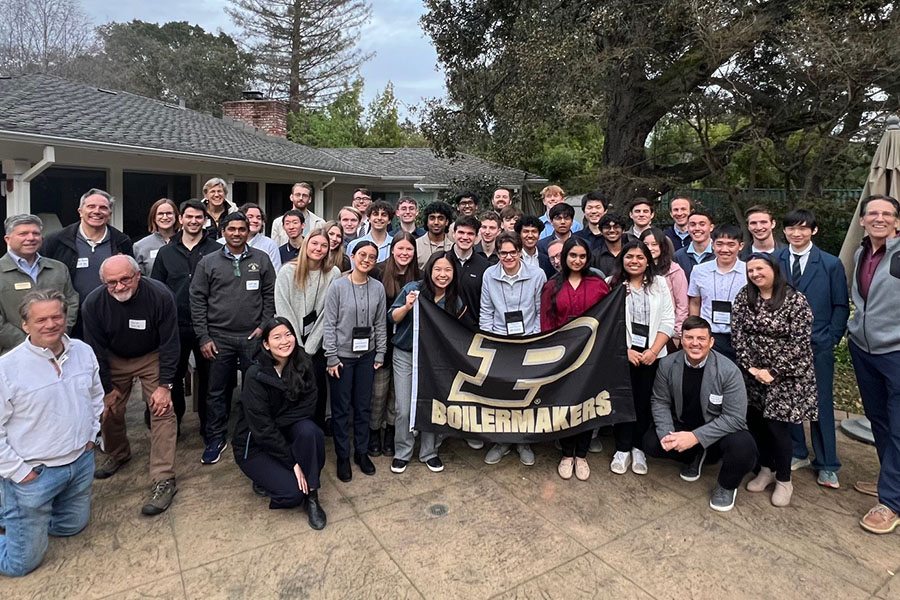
{"x":403,"y":54}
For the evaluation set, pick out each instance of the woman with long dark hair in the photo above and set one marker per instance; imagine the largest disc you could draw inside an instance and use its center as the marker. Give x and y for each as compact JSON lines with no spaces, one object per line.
{"x":336,"y":256}
{"x":400,"y":268}
{"x":355,"y":340}
{"x":566,"y":296}
{"x":663,"y":253}
{"x":440,"y":285}
{"x":276,"y":443}
{"x":300,"y":297}
{"x":649,"y":323}
{"x":771,"y":330}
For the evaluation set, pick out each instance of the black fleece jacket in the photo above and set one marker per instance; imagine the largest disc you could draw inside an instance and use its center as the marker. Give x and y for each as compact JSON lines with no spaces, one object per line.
{"x":61,"y":245}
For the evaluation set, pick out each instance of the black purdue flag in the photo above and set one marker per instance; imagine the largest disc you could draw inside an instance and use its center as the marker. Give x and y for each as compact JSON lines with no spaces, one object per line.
{"x":521,"y":389}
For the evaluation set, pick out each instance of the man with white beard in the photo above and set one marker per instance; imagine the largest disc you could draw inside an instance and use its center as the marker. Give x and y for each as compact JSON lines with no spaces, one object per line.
{"x":132,"y":325}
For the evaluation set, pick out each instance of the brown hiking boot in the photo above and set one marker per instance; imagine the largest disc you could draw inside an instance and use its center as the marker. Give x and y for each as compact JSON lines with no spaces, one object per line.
{"x":880,"y":519}
{"x":109,"y":467}
{"x":160,"y":497}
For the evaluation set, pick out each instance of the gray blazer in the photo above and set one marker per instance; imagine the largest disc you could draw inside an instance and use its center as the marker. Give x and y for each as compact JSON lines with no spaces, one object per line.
{"x":721,"y":378}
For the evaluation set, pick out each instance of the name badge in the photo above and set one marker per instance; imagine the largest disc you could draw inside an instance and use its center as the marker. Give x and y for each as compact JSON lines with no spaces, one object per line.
{"x":25,"y":285}
{"x":83,"y":263}
{"x":253,"y":285}
{"x":308,"y":322}
{"x":515,"y":322}
{"x":721,"y":312}
{"x":640,"y":336}
{"x":153,"y":253}
{"x":361,"y":338}
{"x":140,"y":324}
{"x":715,"y":399}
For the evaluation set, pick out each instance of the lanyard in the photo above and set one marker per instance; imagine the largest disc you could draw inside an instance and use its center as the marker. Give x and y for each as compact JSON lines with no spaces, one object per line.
{"x":355,"y":303}
{"x":730,"y":286}
{"x":503,"y":291}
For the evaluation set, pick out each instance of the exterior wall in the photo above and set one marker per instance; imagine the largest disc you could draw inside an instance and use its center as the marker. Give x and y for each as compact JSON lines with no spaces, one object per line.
{"x":267,"y":115}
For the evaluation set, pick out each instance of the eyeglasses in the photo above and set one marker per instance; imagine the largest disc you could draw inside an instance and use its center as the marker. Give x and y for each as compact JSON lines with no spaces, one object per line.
{"x":508,"y":253}
{"x":466,"y":203}
{"x":365,"y":258}
{"x":606,"y":227}
{"x":883,"y":214}
{"x":124,"y":281}
{"x":165,"y":214}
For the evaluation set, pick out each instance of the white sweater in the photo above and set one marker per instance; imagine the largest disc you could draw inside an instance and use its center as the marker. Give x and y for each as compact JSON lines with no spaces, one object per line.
{"x":293,"y":303}
{"x":49,"y":408}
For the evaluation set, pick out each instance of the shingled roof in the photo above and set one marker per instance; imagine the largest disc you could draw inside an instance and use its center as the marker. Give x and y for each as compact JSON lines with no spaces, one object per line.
{"x":422,"y":163}
{"x":61,"y":109}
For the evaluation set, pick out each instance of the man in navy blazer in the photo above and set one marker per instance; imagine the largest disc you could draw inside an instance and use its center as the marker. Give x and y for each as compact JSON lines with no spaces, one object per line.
{"x":820,"y":277}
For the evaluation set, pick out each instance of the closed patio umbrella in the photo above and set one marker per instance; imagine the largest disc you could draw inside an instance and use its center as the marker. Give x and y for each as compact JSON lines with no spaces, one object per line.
{"x":884,"y":178}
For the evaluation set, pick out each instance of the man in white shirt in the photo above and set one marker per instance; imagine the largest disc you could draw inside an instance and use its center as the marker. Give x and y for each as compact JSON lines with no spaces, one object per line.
{"x":301,"y":196}
{"x":641,"y":212}
{"x":529,"y":229}
{"x":362,"y":198}
{"x":379,"y":216}
{"x":715,"y":284}
{"x":46,"y":456}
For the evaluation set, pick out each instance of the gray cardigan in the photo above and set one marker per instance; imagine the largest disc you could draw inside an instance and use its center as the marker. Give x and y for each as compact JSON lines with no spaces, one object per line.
{"x":721,"y":378}
{"x":874,"y":324}
{"x":348,"y":305}
{"x":499,"y":297}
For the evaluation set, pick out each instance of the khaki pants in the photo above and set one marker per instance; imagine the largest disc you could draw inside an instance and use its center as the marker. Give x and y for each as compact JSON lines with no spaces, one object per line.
{"x":163,"y":429}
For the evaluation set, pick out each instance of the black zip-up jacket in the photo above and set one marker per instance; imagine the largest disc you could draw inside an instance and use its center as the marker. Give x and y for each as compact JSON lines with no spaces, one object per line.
{"x":266,"y":412}
{"x":61,"y":245}
{"x":175,"y":265}
{"x":471,"y":272}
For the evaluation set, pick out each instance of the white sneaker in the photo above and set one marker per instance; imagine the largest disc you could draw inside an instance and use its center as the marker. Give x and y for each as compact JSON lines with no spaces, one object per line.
{"x":620,"y":462}
{"x":475,"y":444}
{"x":638,"y":461}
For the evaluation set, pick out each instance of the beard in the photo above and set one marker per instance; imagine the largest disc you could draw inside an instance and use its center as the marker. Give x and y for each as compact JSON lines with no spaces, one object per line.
{"x":122,"y":296}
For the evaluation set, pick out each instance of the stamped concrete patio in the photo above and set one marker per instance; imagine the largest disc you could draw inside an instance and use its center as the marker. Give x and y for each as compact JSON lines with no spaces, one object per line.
{"x":473,"y":531}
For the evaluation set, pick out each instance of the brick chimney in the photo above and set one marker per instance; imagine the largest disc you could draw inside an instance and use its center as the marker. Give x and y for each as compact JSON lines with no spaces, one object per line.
{"x":264,"y":114}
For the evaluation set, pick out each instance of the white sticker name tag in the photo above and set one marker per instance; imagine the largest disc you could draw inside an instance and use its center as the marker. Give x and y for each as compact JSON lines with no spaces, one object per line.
{"x":252,"y":286}
{"x":25,"y":285}
{"x":715,"y":399}
{"x":137,"y":324}
{"x":83,"y":263}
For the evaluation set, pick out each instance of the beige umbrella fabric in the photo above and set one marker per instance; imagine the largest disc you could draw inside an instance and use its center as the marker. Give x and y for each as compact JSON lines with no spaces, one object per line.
{"x":884,"y":178}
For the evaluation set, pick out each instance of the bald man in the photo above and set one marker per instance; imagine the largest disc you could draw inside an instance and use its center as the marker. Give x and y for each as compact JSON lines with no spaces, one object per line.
{"x":131,"y":323}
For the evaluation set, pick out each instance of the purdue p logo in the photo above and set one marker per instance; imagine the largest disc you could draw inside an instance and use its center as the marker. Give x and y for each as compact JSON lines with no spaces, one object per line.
{"x":547,"y":358}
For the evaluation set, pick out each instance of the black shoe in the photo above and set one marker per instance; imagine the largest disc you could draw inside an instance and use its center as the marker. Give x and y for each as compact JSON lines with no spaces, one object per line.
{"x":259,"y":490}
{"x":327,"y":429}
{"x":343,"y":469}
{"x":314,"y":511}
{"x":398,"y":465}
{"x":691,"y":471}
{"x":365,"y":464}
{"x":435,"y":464}
{"x":374,"y":442}
{"x":388,"y":445}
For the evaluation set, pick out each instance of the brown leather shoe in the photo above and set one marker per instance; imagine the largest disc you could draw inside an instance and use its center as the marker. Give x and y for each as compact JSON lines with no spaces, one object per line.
{"x":869,"y":488}
{"x":880,"y":519}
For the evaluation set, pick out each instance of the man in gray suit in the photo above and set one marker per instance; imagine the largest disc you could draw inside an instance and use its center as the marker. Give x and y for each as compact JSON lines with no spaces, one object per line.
{"x":699,"y":406}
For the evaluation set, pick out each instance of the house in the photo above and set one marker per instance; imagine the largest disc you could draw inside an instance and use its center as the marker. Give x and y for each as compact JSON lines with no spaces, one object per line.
{"x":59,"y":138}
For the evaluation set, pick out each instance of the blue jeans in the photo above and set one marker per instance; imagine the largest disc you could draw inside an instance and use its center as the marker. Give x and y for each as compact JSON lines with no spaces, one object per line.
{"x":353,"y":389}
{"x":235,"y":352}
{"x":57,"y":503}
{"x":822,"y":431}
{"x":879,"y":386}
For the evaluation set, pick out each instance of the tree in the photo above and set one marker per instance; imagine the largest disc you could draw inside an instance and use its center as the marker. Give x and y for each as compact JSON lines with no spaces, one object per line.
{"x":42,"y":35}
{"x":171,"y":62}
{"x":306,"y":49}
{"x":766,"y":68}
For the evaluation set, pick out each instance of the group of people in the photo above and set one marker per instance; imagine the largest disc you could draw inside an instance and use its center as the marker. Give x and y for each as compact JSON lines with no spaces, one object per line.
{"x":730,"y":348}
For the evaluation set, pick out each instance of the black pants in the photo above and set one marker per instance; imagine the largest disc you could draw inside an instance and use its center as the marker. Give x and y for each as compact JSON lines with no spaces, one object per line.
{"x":320,"y":365}
{"x":235,"y":352}
{"x":576,"y":445}
{"x":774,"y":441}
{"x":308,"y":450}
{"x":190,"y":344}
{"x":736,"y":450}
{"x":631,"y":435}
{"x":723,"y":346}
{"x":352,"y":390}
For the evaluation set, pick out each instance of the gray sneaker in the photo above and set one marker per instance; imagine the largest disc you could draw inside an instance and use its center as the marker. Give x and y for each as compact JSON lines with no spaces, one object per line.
{"x":526,"y":454}
{"x":108,"y":467}
{"x":596,"y":446}
{"x":721,"y":499}
{"x":160,"y":497}
{"x":497,"y":452}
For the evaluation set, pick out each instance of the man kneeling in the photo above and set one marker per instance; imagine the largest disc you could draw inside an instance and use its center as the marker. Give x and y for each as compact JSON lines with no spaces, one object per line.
{"x":51,"y":400}
{"x":699,"y":406}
